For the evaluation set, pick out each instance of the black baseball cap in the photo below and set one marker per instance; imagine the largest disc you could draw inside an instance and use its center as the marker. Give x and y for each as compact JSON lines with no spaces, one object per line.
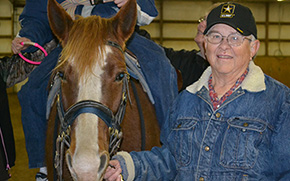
{"x":235,"y":15}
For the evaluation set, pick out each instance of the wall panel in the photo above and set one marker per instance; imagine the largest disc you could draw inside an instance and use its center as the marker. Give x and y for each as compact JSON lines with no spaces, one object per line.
{"x":5,"y":27}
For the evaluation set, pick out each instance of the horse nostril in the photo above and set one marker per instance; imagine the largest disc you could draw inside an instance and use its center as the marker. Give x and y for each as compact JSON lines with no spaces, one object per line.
{"x":69,"y":164}
{"x":103,"y":162}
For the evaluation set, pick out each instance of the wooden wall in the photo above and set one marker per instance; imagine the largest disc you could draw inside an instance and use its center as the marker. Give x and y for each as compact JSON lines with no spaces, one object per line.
{"x":176,"y":27}
{"x":6,"y":27}
{"x":177,"y":21}
{"x":276,"y":67}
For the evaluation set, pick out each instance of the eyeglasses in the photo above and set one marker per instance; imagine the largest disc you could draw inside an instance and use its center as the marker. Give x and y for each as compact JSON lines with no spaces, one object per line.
{"x":232,"y":39}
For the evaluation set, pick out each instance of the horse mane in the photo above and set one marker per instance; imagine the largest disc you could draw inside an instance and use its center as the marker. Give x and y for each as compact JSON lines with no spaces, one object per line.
{"x":86,"y":42}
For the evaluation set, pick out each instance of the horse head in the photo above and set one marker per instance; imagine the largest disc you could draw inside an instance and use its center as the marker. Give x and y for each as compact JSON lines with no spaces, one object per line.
{"x":91,"y":63}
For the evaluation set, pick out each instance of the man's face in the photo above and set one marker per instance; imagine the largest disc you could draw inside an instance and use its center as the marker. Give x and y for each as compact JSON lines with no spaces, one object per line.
{"x":225,"y":58}
{"x":199,"y":38}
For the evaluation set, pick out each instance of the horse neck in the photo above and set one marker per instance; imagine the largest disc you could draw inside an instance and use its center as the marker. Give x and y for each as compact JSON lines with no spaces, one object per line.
{"x":132,"y":123}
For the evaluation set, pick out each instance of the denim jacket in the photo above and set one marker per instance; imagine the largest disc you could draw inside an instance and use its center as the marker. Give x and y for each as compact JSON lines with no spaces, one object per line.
{"x":246,"y":138}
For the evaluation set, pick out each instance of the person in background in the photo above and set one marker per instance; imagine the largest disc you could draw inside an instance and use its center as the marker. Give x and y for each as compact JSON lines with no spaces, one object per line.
{"x":232,"y":124}
{"x":191,"y":63}
{"x":35,"y":27}
{"x":12,"y":71}
{"x":7,"y":144}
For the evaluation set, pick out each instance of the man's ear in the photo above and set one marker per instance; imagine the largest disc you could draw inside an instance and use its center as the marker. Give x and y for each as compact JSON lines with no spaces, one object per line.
{"x":255,"y":45}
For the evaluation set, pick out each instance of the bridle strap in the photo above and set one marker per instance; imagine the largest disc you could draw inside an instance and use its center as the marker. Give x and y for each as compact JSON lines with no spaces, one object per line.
{"x":89,"y":106}
{"x":116,"y":45}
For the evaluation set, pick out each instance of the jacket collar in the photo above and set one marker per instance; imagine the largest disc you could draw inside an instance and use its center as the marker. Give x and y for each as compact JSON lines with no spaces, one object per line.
{"x":254,"y":81}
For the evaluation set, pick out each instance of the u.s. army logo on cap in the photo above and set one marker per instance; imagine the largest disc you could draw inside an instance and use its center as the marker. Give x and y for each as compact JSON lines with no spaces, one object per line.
{"x":228,"y":11}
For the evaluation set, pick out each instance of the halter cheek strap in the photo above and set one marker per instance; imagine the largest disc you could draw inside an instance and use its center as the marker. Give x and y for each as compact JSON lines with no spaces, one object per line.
{"x":116,"y":45}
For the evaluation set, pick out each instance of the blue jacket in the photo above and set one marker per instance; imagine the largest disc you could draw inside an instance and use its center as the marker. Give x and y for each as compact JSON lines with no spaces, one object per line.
{"x":247,"y":138}
{"x":35,"y":25}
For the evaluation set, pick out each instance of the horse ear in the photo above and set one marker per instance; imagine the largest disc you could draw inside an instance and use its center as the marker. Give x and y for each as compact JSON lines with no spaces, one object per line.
{"x":125,"y":20}
{"x":60,"y":22}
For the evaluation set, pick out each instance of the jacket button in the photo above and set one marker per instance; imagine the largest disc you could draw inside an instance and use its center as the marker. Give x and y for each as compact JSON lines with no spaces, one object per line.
{"x":218,"y":115}
{"x":201,"y":179}
{"x":245,"y":124}
{"x":179,"y":126}
{"x":206,"y":148}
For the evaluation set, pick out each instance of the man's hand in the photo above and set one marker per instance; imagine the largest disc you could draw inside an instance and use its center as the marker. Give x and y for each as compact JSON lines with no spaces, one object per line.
{"x":120,"y":3}
{"x":113,"y":172}
{"x":16,"y":46}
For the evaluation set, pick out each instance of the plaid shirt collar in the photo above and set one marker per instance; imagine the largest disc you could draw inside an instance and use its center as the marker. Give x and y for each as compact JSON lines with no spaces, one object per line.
{"x":216,"y":102}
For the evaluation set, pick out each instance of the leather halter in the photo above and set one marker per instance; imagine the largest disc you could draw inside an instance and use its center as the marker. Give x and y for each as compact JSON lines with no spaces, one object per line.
{"x":67,"y":118}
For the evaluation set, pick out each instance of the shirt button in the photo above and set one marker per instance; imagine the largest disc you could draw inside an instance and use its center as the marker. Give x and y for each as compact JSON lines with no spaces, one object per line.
{"x":206,"y":148}
{"x":208,"y":114}
{"x":201,"y":179}
{"x":218,"y":115}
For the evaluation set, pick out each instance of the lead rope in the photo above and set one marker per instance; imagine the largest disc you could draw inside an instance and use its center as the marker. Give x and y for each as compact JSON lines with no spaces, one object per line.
{"x":5,"y":151}
{"x":61,"y":141}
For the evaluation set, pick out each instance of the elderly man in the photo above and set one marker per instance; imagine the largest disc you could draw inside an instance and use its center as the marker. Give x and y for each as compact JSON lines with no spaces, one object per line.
{"x":232,"y":124}
{"x":35,"y":28}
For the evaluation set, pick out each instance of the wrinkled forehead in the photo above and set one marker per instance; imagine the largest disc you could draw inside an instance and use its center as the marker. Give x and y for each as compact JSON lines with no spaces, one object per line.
{"x":223,"y":28}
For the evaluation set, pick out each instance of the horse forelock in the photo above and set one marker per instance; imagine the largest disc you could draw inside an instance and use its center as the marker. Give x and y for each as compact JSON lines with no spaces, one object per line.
{"x":86,"y":55}
{"x":86,"y":44}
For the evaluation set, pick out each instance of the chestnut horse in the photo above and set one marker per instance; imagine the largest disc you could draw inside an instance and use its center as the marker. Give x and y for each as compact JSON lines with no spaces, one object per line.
{"x":94,"y":105}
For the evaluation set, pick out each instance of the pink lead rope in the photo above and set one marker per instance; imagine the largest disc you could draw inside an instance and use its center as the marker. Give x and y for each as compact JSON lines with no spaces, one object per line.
{"x":36,"y":45}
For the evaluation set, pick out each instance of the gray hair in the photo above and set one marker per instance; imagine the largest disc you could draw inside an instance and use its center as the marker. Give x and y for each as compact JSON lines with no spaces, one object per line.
{"x":252,"y":38}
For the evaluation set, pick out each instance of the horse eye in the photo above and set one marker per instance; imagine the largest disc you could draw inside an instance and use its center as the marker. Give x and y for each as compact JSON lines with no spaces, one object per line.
{"x":61,"y":74}
{"x":120,"y":76}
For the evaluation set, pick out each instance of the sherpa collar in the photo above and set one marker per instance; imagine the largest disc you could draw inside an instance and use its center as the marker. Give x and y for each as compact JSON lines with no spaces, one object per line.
{"x":254,"y":81}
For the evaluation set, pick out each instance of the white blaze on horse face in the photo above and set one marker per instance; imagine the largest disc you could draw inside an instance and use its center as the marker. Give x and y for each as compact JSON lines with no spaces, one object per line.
{"x":86,"y":159}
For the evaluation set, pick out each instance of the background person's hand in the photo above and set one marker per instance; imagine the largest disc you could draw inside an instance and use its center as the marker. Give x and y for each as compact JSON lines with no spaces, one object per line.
{"x":120,"y":3}
{"x":16,"y":46}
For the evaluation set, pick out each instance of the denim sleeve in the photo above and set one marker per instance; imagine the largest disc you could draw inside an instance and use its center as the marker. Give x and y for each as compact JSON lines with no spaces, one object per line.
{"x":146,"y":12}
{"x":34,"y":23}
{"x":157,"y":164}
{"x":281,"y":142}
